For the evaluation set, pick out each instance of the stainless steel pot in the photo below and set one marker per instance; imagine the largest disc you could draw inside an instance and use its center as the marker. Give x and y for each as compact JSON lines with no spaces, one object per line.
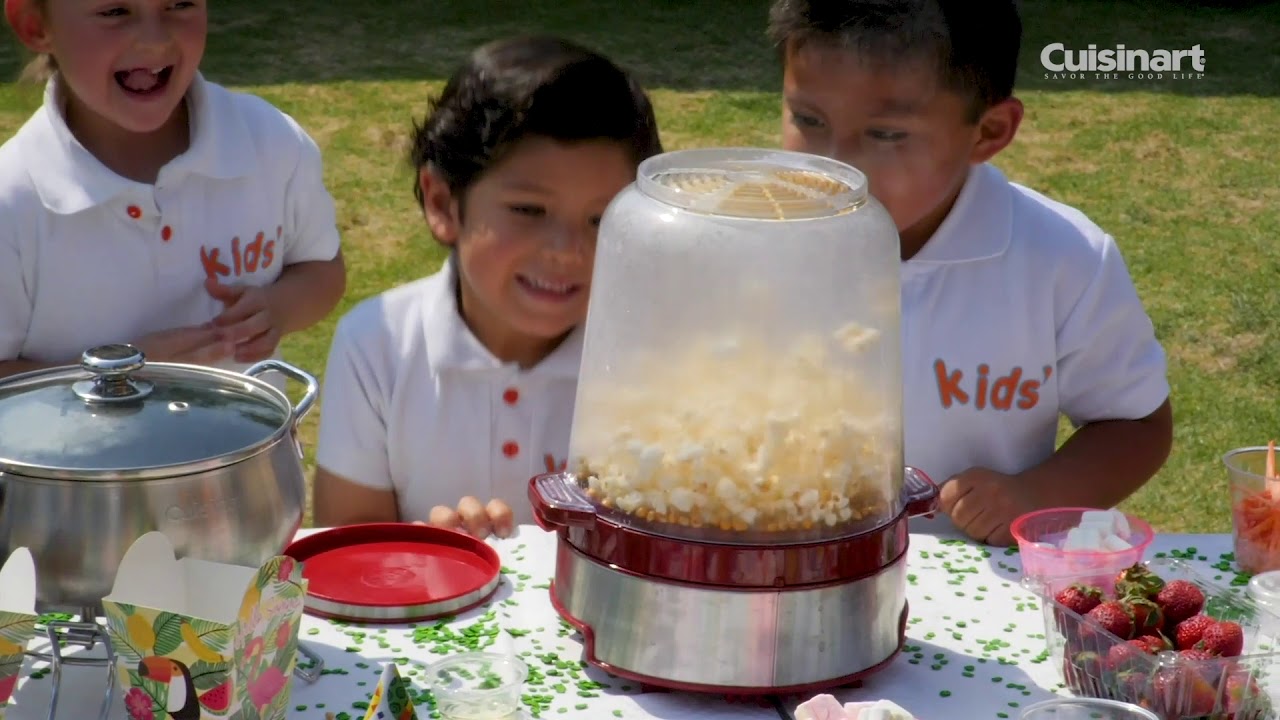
{"x":92,"y":458}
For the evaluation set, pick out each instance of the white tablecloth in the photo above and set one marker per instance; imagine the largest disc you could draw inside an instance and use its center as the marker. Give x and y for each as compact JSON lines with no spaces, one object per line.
{"x":975,"y":645}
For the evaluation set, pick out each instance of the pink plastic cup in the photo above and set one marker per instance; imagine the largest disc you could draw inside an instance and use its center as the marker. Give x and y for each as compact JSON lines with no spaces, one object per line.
{"x":1045,"y":562}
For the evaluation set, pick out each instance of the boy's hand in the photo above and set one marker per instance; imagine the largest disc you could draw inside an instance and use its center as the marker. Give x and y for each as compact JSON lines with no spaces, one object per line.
{"x":475,"y":519}
{"x":983,"y":503}
{"x":197,"y":345}
{"x":247,"y":319}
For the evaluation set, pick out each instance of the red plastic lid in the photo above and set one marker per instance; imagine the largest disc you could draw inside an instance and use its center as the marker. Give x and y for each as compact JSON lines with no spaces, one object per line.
{"x":394,"y":572}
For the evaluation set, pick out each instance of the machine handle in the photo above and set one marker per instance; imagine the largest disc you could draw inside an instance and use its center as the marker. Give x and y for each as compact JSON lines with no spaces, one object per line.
{"x":921,"y":494}
{"x":559,"y":503}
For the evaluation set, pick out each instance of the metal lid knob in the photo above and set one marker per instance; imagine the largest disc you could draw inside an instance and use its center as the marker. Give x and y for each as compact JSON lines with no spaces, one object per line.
{"x":111,"y":366}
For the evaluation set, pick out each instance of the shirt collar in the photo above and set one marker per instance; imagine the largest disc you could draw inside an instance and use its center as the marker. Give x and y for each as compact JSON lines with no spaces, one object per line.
{"x":452,"y":346}
{"x":69,"y":179}
{"x":980,"y":224}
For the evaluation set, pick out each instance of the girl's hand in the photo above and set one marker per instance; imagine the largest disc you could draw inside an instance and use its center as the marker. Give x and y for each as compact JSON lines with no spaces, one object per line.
{"x":984,"y":503}
{"x":247,"y":320}
{"x":475,"y":519}
{"x":197,"y":345}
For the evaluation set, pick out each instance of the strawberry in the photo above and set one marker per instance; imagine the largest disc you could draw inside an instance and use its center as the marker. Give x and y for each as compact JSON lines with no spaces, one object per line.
{"x":1127,"y":656}
{"x":1114,"y":617}
{"x":1243,"y":697}
{"x":1088,"y":663}
{"x":1082,"y":671}
{"x":1076,"y":636}
{"x":1132,"y":683}
{"x":1070,"y":676}
{"x":1080,"y":599}
{"x":1189,"y":631}
{"x":1180,"y":600}
{"x":1153,"y":644}
{"x":1148,"y":618}
{"x":1208,"y":666}
{"x":1224,"y":639}
{"x":1138,"y":582}
{"x":1182,"y":692}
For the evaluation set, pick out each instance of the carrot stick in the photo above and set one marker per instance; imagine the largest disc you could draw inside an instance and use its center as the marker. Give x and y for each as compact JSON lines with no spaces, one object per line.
{"x":1259,"y":532}
{"x":1255,"y":513}
{"x":1272,"y":481}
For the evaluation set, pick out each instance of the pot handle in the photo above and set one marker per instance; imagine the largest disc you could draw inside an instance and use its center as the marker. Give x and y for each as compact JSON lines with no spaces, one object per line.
{"x":920,"y":493}
{"x":308,"y":398}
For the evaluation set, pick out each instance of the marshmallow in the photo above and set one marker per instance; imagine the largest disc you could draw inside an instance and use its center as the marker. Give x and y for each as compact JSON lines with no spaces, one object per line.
{"x":879,"y":710}
{"x":1099,"y":531}
{"x":821,"y":707}
{"x":1104,"y":527}
{"x":826,"y":707}
{"x":1114,"y":520}
{"x":1083,"y":538}
{"x":1122,"y":524}
{"x":1114,"y":543}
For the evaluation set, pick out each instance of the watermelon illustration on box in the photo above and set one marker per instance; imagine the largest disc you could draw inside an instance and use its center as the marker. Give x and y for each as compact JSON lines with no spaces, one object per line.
{"x":197,"y":640}
{"x":17,"y":618}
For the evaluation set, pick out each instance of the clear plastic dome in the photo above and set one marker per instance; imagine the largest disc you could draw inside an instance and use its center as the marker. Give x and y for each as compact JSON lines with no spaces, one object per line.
{"x":741,"y":376}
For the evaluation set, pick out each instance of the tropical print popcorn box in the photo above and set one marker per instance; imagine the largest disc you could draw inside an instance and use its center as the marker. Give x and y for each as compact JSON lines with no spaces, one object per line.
{"x":196,"y":640}
{"x":391,"y":700}
{"x":17,"y":618}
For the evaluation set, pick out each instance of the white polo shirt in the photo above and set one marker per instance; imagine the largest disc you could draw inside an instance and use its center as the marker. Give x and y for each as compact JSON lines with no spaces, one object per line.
{"x":412,"y":402}
{"x":88,"y":257}
{"x":1019,"y":308}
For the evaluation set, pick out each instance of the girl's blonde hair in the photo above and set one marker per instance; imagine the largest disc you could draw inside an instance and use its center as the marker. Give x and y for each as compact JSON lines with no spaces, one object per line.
{"x":39,"y":70}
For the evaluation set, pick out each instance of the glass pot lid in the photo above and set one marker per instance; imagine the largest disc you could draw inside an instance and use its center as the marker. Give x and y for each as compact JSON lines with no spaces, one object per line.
{"x":115,"y":417}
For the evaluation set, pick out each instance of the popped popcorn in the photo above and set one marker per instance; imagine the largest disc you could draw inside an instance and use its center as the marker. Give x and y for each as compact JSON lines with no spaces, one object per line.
{"x":744,"y":435}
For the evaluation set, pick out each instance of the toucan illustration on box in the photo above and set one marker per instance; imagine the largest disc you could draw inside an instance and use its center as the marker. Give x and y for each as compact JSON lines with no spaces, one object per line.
{"x":183,"y":704}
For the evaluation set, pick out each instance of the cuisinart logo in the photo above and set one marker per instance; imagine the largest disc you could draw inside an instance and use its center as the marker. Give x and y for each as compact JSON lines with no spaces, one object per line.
{"x":1063,"y":63}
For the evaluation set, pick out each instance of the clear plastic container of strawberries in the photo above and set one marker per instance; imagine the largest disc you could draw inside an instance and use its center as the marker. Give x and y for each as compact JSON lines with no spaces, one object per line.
{"x":1161,"y":636}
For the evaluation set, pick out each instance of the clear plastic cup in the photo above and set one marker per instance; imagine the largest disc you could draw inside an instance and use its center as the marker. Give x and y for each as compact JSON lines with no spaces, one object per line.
{"x":477,"y":686}
{"x":1085,"y":709}
{"x":1264,"y":588}
{"x":1253,"y":509}
{"x":1037,"y":532}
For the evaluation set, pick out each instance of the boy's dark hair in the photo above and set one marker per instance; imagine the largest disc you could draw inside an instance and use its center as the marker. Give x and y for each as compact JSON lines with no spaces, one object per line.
{"x":972,"y":44}
{"x":531,"y":85}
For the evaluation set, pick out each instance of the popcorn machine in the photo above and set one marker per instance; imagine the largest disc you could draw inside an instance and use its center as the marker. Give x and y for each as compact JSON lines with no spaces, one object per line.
{"x":734,"y":515}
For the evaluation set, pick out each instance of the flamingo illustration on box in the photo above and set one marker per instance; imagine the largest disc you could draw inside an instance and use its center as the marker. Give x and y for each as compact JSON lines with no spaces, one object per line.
{"x":197,"y":640}
{"x":17,"y":618}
